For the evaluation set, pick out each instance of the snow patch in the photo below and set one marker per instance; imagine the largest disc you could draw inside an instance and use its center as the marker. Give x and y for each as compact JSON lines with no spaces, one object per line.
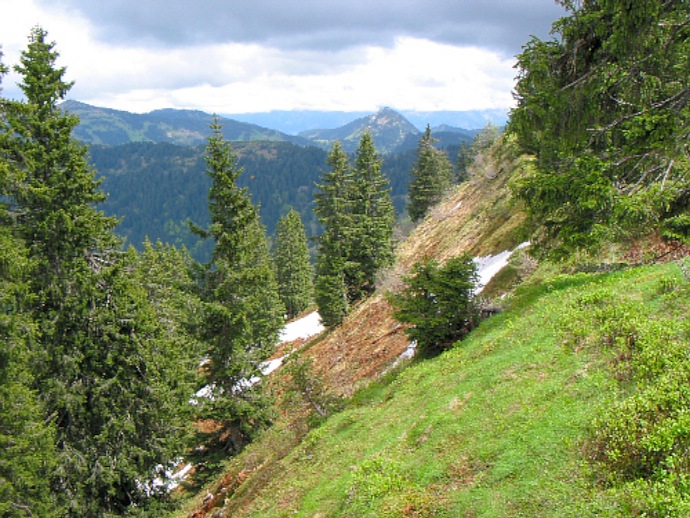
{"x":305,"y":327}
{"x":490,"y":265}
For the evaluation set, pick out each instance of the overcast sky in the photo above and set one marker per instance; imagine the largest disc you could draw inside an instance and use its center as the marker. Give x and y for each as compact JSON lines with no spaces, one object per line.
{"x":239,"y":56}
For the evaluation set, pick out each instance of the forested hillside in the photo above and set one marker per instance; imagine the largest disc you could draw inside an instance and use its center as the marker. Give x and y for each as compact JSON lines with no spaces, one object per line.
{"x":105,"y":126}
{"x":156,"y":187}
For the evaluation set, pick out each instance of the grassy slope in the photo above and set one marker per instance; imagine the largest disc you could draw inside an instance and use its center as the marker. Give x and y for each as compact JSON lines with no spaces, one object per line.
{"x":499,"y":426}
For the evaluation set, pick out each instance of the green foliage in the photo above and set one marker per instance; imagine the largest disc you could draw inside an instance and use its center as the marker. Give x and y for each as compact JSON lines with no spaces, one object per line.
{"x":293,"y":269}
{"x":156,"y":187}
{"x":27,"y":454}
{"x":372,"y":220}
{"x":111,"y":388}
{"x":437,"y":302}
{"x":639,"y":439}
{"x":333,"y":208}
{"x":304,"y":384}
{"x":355,"y":210}
{"x":605,"y":109}
{"x":242,"y":312}
{"x":431,"y":177}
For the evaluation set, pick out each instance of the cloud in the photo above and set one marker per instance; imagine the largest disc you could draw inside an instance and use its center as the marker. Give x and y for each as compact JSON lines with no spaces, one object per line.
{"x":403,"y":77}
{"x":323,"y":24}
{"x":235,"y":56}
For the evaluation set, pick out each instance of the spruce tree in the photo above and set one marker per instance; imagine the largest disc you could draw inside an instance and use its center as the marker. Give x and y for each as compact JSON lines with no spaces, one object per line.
{"x":605,"y":107}
{"x":431,"y":177}
{"x":372,"y":222}
{"x":242,"y":309}
{"x":333,"y":208}
{"x":291,"y":257}
{"x":27,"y":452}
{"x":98,"y":357}
{"x":462,"y":163}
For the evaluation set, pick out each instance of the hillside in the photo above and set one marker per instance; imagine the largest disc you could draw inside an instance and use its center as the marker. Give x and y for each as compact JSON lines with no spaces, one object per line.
{"x":183,"y":127}
{"x":156,"y":187}
{"x":504,"y":424}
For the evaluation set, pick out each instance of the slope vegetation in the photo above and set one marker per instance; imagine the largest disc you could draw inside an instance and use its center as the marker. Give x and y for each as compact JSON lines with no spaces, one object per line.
{"x":532,"y":415}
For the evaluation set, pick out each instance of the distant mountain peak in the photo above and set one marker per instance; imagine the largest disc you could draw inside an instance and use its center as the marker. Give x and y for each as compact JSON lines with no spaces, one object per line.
{"x":389,"y":128}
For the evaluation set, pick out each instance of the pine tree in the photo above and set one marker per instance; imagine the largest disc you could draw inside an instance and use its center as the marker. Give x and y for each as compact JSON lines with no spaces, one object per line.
{"x":98,"y":354}
{"x":333,"y":208}
{"x":431,"y":177}
{"x":243,"y":312}
{"x":372,"y":222}
{"x":293,"y":269}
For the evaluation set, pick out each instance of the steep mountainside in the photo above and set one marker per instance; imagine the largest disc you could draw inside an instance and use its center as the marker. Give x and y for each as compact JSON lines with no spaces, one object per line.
{"x":183,"y":127}
{"x":477,"y":217}
{"x":550,"y":408}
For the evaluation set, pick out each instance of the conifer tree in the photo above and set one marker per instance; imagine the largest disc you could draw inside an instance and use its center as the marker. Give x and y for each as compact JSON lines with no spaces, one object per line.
{"x":605,"y":107}
{"x":431,"y":177}
{"x":373,"y":220}
{"x":98,"y":360}
{"x":463,"y":163}
{"x":243,"y":312}
{"x":293,"y":269}
{"x":333,"y":208}
{"x":27,"y":454}
{"x":355,"y":209}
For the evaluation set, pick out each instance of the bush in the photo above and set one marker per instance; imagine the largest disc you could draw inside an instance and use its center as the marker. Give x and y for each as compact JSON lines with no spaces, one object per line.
{"x":438,"y":302}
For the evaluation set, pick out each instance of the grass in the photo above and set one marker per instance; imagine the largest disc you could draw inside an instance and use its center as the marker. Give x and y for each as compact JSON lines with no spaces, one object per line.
{"x":502,"y":425}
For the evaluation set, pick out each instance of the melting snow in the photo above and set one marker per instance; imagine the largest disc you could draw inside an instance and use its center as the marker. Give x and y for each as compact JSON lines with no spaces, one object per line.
{"x":490,"y":265}
{"x":304,"y":327}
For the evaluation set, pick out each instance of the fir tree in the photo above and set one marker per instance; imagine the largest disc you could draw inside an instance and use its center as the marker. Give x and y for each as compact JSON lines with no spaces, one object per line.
{"x":431,"y":177}
{"x":97,"y":358}
{"x":293,"y":269}
{"x":333,"y":208}
{"x":462,"y":163}
{"x":243,"y":312}
{"x":605,"y":107}
{"x":27,"y":453}
{"x":372,"y":222}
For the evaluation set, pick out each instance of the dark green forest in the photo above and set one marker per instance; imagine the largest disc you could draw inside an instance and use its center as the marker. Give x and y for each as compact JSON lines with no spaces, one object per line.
{"x":155,"y":188}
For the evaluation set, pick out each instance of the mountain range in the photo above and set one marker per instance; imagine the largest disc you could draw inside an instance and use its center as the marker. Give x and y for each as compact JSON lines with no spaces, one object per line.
{"x":392,"y":132}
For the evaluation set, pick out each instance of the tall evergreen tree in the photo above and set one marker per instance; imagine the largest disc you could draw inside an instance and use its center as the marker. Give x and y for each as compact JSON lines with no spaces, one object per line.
{"x":373,"y":221}
{"x":431,"y":177}
{"x":27,"y":454}
{"x":243,"y":312}
{"x":95,"y":358}
{"x":293,"y":269}
{"x":355,"y":210}
{"x":333,"y":208}
{"x":462,"y":163}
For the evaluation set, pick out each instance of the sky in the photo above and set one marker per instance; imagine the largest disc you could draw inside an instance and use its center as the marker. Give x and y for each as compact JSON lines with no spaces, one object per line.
{"x":244,"y":56}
